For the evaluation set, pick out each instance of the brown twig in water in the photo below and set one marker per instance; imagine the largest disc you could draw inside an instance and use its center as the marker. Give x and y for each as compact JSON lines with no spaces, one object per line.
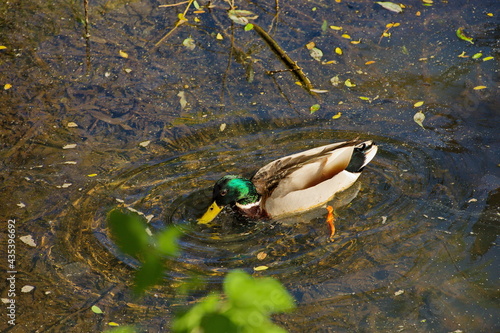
{"x":285,"y":58}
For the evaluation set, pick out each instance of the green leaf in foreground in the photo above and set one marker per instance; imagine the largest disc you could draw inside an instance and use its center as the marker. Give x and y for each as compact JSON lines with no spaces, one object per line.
{"x":129,"y":232}
{"x":247,"y":307}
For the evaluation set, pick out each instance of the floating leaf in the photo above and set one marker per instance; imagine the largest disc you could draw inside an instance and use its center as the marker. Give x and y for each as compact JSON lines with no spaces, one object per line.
{"x":144,"y":143}
{"x":113,"y":324}
{"x":72,"y":124}
{"x":349,"y":84}
{"x":189,"y":43}
{"x":28,"y":240}
{"x":182,"y":99}
{"x":488,"y":58}
{"x":346,"y":36}
{"x":461,"y":35}
{"x":369,"y":62}
{"x":418,"y":104}
{"x":310,"y":45}
{"x":92,"y":175}
{"x":7,"y":86}
{"x":335,"y":81}
{"x":338,"y":50}
{"x":27,"y":289}
{"x":314,"y":108}
{"x":248,"y":27}
{"x":2,"y":47}
{"x":364,"y":98}
{"x":260,"y":268}
{"x":222,"y":127}
{"x":477,"y":55}
{"x":393,"y":7}
{"x":239,"y":16}
{"x":462,"y":55}
{"x":337,"y":116}
{"x":355,"y":41}
{"x":196,"y":5}
{"x":419,"y":118}
{"x":399,"y":292}
{"x":334,"y":27}
{"x":480,"y":87}
{"x":219,"y":36}
{"x":96,"y":309}
{"x":319,"y":91}
{"x":489,"y":14}
{"x":21,"y":205}
{"x":316,"y":53}
{"x":123,"y":54}
{"x":70,"y":146}
{"x":324,"y":26}
{"x":261,"y":255}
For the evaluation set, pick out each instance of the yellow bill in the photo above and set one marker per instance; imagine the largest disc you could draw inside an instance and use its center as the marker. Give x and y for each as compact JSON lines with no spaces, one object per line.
{"x":210,"y":214}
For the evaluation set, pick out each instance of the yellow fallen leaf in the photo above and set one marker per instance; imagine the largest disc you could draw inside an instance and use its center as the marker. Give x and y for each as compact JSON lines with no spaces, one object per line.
{"x":418,"y":104}
{"x":261,"y":255}
{"x":490,"y":14}
{"x":386,"y":34}
{"x":369,"y":62}
{"x":480,"y":87}
{"x":310,"y":45}
{"x":355,"y":41}
{"x":72,"y":124}
{"x":69,"y":146}
{"x":197,"y":20}
{"x":7,"y":86}
{"x":219,"y":36}
{"x":418,"y":13}
{"x":2,"y":47}
{"x":488,"y":58}
{"x":346,"y":36}
{"x":112,"y":323}
{"x":337,"y":116}
{"x":260,"y":268}
{"x":92,"y":175}
{"x":199,"y":12}
{"x":334,"y":27}
{"x":428,"y":1}
{"x":338,"y":50}
{"x":349,"y":84}
{"x":462,"y":55}
{"x":123,"y":54}
{"x":364,"y":98}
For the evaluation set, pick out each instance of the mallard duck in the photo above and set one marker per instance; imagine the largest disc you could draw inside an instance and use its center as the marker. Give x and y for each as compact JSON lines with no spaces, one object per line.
{"x":293,"y":183}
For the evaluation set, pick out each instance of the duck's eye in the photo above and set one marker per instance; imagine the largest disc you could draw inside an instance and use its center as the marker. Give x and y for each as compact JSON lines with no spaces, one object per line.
{"x":223,"y":192}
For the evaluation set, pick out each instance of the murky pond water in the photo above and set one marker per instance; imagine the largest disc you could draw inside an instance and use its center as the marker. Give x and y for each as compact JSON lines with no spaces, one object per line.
{"x":416,"y":243}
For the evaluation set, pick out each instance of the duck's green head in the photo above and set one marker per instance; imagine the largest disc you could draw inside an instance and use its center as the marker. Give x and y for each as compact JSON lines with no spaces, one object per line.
{"x":230,"y":190}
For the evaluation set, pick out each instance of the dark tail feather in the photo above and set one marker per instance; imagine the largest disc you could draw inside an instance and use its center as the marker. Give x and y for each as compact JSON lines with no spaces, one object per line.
{"x":362,"y":155}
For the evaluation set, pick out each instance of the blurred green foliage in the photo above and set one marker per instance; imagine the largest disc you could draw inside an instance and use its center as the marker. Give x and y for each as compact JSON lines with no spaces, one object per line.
{"x":128,"y":230}
{"x":245,"y":306}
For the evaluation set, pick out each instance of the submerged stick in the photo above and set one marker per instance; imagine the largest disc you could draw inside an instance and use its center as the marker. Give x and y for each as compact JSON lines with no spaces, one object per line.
{"x":285,"y":58}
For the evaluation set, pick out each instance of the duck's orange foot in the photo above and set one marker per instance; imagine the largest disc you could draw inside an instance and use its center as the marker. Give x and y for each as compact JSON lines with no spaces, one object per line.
{"x":330,"y":219}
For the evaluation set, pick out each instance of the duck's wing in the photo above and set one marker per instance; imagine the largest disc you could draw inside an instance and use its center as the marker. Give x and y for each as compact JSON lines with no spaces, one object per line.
{"x":304,"y":170}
